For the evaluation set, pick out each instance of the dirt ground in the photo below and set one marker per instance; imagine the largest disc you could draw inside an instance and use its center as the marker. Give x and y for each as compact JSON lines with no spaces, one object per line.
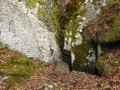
{"x":69,"y":81}
{"x":54,"y":79}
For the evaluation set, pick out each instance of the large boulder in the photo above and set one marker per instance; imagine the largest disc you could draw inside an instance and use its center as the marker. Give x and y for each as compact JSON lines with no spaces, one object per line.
{"x":21,"y":30}
{"x":76,"y":39}
{"x":85,"y":57}
{"x":108,"y":63}
{"x":106,"y":26}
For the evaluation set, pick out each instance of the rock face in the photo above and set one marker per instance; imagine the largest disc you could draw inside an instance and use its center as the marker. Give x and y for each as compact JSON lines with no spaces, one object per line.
{"x":76,"y":38}
{"x":36,"y":28}
{"x":21,"y":30}
{"x":89,"y":25}
{"x":84,"y":57}
{"x":105,"y":30}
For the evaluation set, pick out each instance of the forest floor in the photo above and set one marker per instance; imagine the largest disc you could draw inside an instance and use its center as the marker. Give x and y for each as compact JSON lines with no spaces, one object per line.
{"x":47,"y":77}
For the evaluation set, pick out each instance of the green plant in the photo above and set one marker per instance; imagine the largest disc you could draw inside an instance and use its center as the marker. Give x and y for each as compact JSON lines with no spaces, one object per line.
{"x":30,"y":3}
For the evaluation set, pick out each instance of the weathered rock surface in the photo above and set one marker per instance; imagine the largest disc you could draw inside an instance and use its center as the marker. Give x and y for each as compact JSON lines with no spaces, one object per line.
{"x":21,"y":30}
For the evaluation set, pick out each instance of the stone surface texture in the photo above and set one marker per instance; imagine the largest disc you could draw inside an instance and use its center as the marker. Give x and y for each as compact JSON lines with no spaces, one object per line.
{"x":21,"y":31}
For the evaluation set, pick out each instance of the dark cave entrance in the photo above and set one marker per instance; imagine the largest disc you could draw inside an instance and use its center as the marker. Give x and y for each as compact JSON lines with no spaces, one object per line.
{"x":67,"y":58}
{"x":105,"y":48}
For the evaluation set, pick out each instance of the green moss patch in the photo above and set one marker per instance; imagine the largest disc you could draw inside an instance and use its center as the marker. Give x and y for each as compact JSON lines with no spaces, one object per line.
{"x":83,"y":53}
{"x":49,"y":16}
{"x":55,"y":16}
{"x":108,"y":63}
{"x":75,"y":12}
{"x":31,"y":3}
{"x":84,"y":59}
{"x":80,"y":53}
{"x":55,"y":21}
{"x":16,"y":67}
{"x":114,"y":31}
{"x":41,"y":13}
{"x":105,"y":28}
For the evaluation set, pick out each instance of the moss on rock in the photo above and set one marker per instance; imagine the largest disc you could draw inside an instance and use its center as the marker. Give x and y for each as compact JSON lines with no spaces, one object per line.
{"x":114,"y":31}
{"x":84,"y":57}
{"x":106,"y":27}
{"x":80,"y":53}
{"x":41,"y":13}
{"x":75,"y":17}
{"x":108,"y":63}
{"x":16,"y":67}
{"x":84,"y":54}
{"x":48,"y":12}
{"x":80,"y":45}
{"x":30,"y":3}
